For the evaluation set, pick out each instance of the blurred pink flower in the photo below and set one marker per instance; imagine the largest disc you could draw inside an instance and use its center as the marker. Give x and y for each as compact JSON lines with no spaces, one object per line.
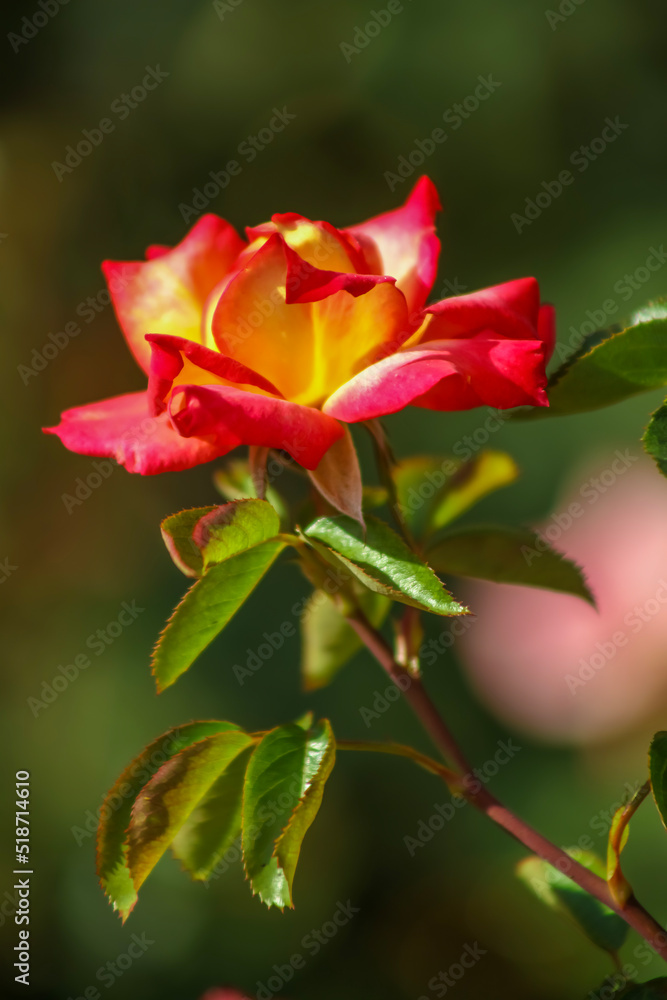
{"x":548,"y":663}
{"x":224,"y":994}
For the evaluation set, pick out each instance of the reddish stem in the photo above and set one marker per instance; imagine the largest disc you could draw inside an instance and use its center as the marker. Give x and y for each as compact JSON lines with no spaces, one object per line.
{"x":419,"y":700}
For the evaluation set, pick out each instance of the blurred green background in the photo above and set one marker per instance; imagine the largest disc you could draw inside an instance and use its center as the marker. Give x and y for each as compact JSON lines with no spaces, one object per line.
{"x":355,"y":116}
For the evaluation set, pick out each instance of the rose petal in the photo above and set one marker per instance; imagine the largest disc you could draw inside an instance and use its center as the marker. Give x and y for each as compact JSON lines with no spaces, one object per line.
{"x":253,"y":324}
{"x":211,"y":410}
{"x":406,"y":240}
{"x":156,"y":250}
{"x":546,"y":328}
{"x":510,"y":310}
{"x":352,"y":333}
{"x":167,"y":293}
{"x":177,"y":359}
{"x":306,"y":350}
{"x":306,"y":283}
{"x":318,"y":243}
{"x":446,"y":375}
{"x":123,"y":428}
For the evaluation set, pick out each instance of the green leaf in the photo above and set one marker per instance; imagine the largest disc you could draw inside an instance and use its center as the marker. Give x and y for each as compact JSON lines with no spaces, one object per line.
{"x":611,"y":989}
{"x":328,"y":642}
{"x":433,"y":491}
{"x":207,"y":607}
{"x":283,"y":791}
{"x":203,"y":536}
{"x":487,"y":472}
{"x":508,"y":555}
{"x":215,"y":824}
{"x":383,"y":563}
{"x":611,"y":367}
{"x":373,"y":497}
{"x":177,"y":534}
{"x":655,"y":438}
{"x":305,"y":721}
{"x":234,"y":482}
{"x":419,"y":480}
{"x":657,"y":765}
{"x":233,"y":528}
{"x":600,"y":924}
{"x":166,"y":802}
{"x":112,"y":866}
{"x":652,"y":310}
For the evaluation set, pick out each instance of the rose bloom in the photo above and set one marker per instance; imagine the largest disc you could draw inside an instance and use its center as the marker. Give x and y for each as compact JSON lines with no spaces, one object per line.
{"x":552,"y":665}
{"x":281,"y":339}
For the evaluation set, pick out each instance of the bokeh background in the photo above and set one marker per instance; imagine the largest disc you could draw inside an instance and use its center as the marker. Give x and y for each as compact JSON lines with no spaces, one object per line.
{"x":355,"y":115}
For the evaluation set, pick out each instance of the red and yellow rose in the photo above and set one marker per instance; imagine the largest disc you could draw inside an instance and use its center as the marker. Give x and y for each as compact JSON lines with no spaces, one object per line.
{"x":281,"y":339}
